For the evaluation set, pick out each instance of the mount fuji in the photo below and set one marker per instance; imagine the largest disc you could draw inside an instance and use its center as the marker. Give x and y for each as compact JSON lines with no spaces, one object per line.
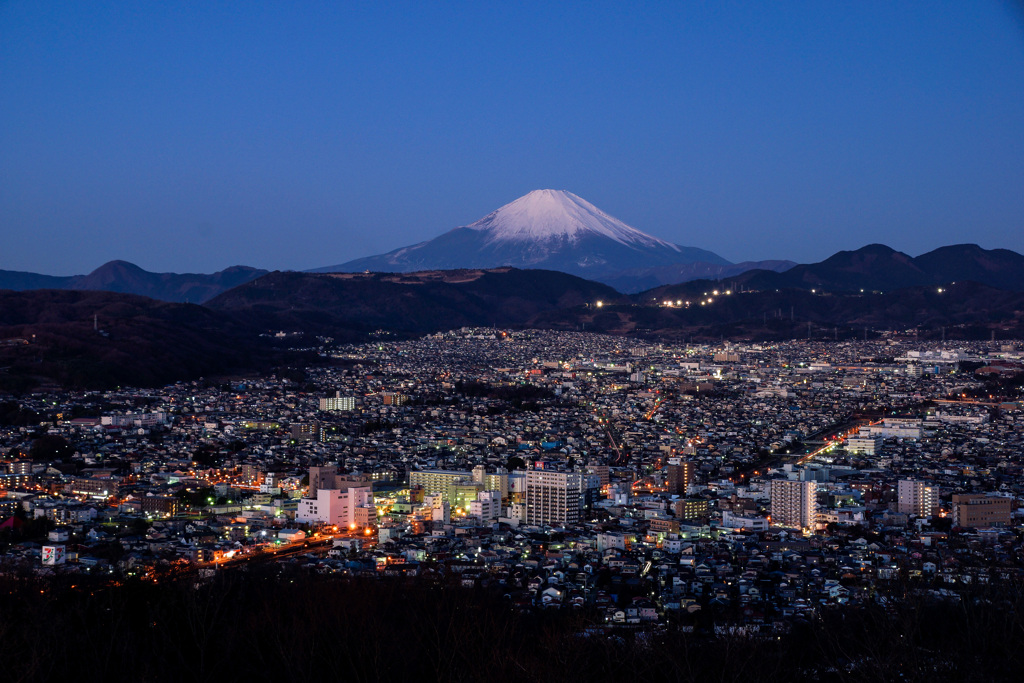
{"x":547,"y":229}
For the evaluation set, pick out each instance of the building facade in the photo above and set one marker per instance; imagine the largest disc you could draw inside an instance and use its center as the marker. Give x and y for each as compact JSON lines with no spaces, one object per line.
{"x":553,"y":498}
{"x":980,"y":511}
{"x":342,"y":508}
{"x":678,"y":476}
{"x":338,"y":403}
{"x":917,"y":498}
{"x":794,"y":503}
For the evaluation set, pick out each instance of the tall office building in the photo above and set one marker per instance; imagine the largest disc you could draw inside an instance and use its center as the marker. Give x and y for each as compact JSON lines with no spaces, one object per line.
{"x":794,"y":503}
{"x":553,"y":497}
{"x":327,"y":477}
{"x":492,"y":481}
{"x":917,"y":498}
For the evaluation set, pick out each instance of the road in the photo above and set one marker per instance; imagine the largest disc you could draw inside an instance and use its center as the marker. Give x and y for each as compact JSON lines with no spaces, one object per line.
{"x":310,"y":545}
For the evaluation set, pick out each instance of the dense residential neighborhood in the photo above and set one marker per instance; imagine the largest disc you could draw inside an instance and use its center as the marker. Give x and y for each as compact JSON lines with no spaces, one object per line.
{"x":726,"y":486}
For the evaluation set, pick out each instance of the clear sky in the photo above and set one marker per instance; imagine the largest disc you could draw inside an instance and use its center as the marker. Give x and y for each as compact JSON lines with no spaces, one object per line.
{"x":194,"y":136}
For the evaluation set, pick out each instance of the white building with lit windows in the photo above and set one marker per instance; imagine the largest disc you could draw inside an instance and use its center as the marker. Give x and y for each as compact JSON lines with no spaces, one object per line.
{"x":794,"y":503}
{"x":553,"y":498}
{"x":339,"y":507}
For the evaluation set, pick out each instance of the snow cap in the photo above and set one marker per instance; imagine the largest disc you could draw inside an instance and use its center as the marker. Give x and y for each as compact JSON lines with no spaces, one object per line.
{"x":558,"y":215}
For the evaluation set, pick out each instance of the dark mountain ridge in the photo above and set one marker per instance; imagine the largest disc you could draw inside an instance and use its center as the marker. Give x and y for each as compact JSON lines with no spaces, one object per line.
{"x":874,"y":267}
{"x":51,"y":336}
{"x":636,"y":280}
{"x":127,"y":278}
{"x":964,"y":310}
{"x":878,"y":268}
{"x":405,"y":303}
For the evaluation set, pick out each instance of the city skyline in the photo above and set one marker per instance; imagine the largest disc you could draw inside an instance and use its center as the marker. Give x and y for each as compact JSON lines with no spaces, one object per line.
{"x":189,"y":139}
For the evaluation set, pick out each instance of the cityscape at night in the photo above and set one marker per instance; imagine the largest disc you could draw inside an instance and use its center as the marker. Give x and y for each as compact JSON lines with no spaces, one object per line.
{"x":512,"y":341}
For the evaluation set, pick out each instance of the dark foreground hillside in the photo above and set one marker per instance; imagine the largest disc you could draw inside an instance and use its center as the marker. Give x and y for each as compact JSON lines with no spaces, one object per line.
{"x":965,"y":310}
{"x":102,"y":339}
{"x":406,"y":303}
{"x":256,"y":626}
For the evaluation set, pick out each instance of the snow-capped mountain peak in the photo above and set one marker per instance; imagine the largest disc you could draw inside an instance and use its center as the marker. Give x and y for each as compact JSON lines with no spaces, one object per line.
{"x":544,"y":215}
{"x":545,"y":229}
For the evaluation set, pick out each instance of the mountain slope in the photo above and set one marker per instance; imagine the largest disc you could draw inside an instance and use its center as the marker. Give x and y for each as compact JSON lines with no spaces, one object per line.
{"x":996,"y":267}
{"x":639,"y":279}
{"x":965,"y":310}
{"x":48,"y":336}
{"x":547,"y":229}
{"x":873,"y":267}
{"x":878,"y":268}
{"x":354,"y":304}
{"x":558,"y":215}
{"x":128,"y":278}
{"x":19,"y":281}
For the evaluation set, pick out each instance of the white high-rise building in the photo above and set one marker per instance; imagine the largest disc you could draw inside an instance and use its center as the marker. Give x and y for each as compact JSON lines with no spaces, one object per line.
{"x":794,"y":503}
{"x":916,"y":498}
{"x":553,"y":497}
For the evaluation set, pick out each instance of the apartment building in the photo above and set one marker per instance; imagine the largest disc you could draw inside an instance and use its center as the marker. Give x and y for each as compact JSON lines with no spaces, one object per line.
{"x":794,"y":503}
{"x":553,"y":498}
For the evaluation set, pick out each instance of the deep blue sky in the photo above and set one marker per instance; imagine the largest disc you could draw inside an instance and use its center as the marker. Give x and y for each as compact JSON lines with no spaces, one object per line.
{"x":194,"y":136}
